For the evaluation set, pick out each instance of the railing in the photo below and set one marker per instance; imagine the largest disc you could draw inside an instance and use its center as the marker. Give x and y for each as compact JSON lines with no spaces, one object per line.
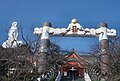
{"x":58,"y":78}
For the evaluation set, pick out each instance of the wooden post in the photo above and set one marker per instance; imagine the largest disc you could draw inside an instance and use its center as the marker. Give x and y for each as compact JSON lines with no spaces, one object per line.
{"x":104,"y":47}
{"x":44,"y":49}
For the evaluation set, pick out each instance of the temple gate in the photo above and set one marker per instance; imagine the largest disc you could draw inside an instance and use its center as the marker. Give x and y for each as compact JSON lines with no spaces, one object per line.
{"x":74,"y":29}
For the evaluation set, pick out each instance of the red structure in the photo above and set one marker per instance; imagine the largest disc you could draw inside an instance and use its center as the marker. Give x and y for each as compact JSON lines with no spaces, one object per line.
{"x":72,"y":66}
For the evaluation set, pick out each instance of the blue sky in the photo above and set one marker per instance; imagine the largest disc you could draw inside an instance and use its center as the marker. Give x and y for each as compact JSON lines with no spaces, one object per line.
{"x":31,"y":13}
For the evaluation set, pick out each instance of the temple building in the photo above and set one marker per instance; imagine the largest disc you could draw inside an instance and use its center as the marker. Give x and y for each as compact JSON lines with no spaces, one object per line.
{"x":73,"y":65}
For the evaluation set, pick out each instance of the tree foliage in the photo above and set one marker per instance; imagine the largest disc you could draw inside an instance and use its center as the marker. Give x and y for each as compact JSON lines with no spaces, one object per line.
{"x":16,"y":64}
{"x":19,"y":64}
{"x":114,"y":56}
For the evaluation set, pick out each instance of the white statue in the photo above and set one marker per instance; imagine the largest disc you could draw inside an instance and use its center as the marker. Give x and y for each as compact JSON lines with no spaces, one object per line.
{"x":12,"y":41}
{"x":13,"y":32}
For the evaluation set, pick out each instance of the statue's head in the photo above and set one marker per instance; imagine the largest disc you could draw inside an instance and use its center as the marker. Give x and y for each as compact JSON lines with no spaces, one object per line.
{"x":14,"y":24}
{"x":47,"y":24}
{"x":74,"y":21}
